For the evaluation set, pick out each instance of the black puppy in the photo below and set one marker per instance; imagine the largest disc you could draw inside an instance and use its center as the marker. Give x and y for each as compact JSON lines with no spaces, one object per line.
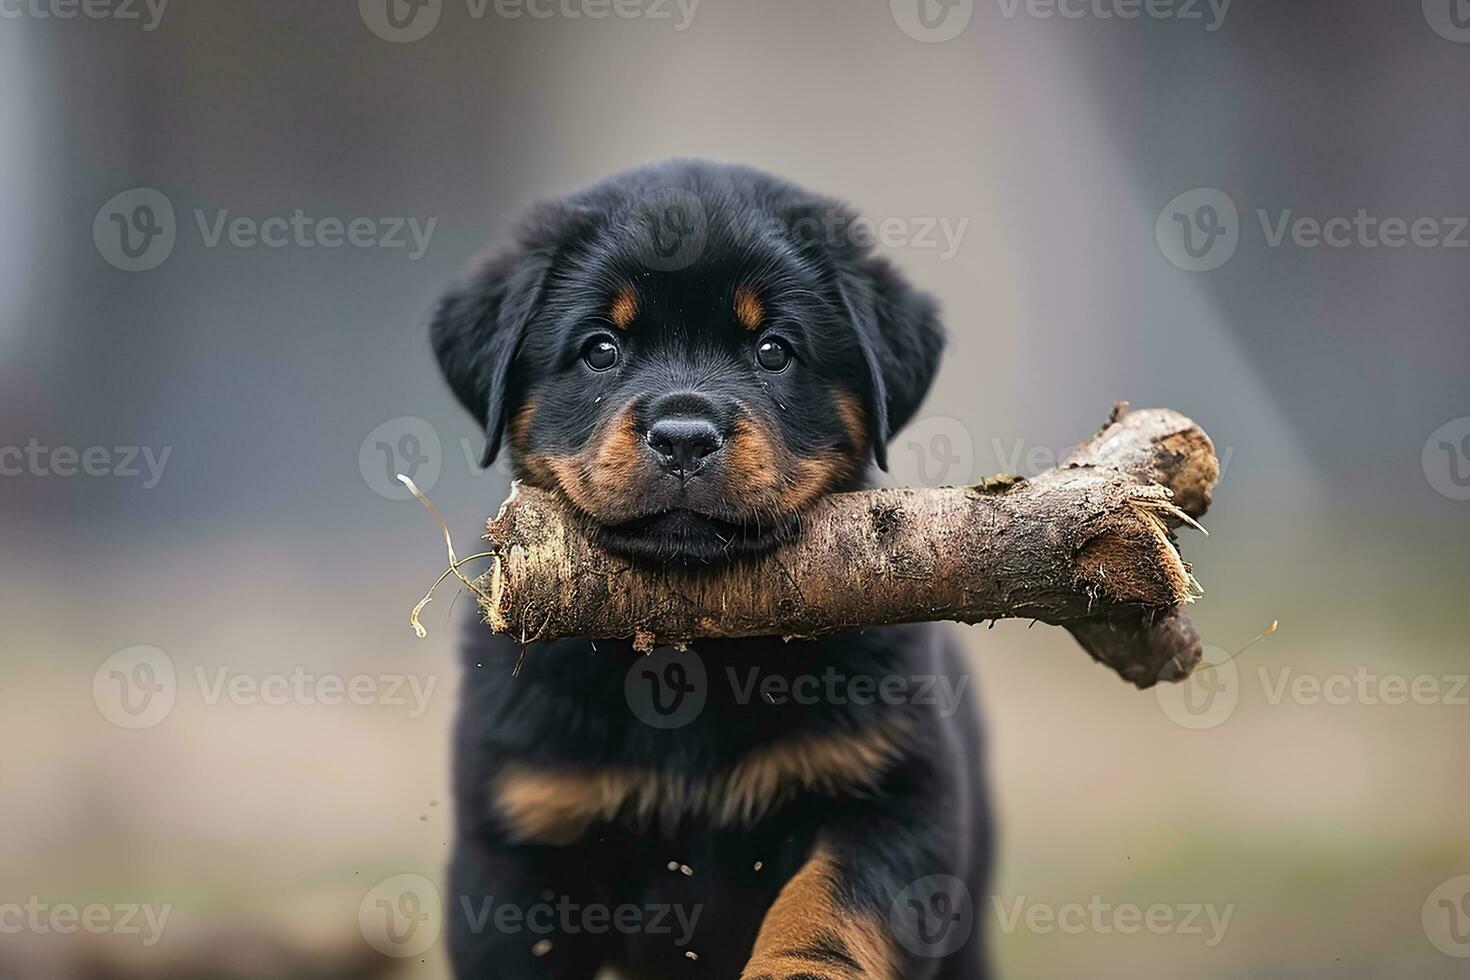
{"x":690,"y":354}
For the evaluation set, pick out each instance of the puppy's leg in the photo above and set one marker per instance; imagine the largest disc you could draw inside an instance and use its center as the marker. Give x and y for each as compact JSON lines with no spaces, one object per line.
{"x":873,"y":902}
{"x":816,"y":931}
{"x":503,"y":920}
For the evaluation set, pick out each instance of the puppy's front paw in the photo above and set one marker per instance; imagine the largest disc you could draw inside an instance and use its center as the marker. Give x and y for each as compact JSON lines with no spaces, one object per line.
{"x":809,"y":935}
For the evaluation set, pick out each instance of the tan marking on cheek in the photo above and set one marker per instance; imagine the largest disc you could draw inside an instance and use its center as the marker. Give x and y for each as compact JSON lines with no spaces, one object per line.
{"x":811,"y":478}
{"x":531,"y":466}
{"x":615,"y":466}
{"x":624,"y":308}
{"x":807,"y":931}
{"x":808,"y":479}
{"x":766,"y":474}
{"x":520,"y":425}
{"x":749,"y":310}
{"x":602,"y":479}
{"x":536,"y":469}
{"x":751,"y":457}
{"x":854,"y":420}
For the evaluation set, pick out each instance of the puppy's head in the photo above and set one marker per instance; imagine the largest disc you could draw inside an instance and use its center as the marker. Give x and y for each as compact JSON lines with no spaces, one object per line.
{"x":690,"y":354}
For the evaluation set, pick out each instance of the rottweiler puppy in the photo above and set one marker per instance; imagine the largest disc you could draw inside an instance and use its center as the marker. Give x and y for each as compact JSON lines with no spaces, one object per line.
{"x":690,"y":354}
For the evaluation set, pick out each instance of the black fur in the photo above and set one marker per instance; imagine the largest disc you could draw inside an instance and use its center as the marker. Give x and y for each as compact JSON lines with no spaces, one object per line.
{"x":682,"y":238}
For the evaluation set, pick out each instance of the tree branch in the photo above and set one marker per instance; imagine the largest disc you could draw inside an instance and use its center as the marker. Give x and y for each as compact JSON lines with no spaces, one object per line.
{"x":1087,"y":545}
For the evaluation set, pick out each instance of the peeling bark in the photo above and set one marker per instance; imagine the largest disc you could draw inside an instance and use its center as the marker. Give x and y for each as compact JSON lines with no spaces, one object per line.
{"x":1087,"y":545}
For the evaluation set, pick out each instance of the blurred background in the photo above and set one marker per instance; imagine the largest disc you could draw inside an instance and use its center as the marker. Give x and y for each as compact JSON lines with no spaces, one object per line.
{"x":212,"y":708}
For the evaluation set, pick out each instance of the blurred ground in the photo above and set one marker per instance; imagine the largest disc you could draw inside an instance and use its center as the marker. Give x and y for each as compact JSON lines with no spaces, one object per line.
{"x":1324,"y":826}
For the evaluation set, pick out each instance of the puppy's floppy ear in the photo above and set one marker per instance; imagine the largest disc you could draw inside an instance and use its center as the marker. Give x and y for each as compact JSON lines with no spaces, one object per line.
{"x":900,"y":336}
{"x":477,"y":327}
{"x":476,"y":331}
{"x":896,"y":326}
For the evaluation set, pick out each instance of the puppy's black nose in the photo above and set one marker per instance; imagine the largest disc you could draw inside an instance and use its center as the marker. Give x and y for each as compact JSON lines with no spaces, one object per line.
{"x":682,"y":442}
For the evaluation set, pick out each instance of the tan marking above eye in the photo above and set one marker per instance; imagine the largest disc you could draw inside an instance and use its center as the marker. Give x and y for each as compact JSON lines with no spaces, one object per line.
{"x":749,"y":311}
{"x":624,"y":308}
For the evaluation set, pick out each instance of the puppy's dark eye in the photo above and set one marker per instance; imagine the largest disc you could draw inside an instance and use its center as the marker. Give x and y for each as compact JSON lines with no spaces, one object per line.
{"x":773,"y":354}
{"x":600,"y":353}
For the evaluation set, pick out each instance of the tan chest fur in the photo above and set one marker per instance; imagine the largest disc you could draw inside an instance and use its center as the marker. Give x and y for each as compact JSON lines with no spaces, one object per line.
{"x":557,"y":805}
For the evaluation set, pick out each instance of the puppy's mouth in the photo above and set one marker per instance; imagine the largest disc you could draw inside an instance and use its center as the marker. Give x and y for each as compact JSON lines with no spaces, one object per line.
{"x":683,"y":535}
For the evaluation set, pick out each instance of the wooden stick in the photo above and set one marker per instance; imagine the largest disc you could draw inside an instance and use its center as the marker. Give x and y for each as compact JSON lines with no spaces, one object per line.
{"x":1087,"y":545}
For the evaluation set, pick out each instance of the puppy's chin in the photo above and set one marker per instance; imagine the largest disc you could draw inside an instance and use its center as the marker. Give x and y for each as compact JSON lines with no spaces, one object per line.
{"x":687,"y":537}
